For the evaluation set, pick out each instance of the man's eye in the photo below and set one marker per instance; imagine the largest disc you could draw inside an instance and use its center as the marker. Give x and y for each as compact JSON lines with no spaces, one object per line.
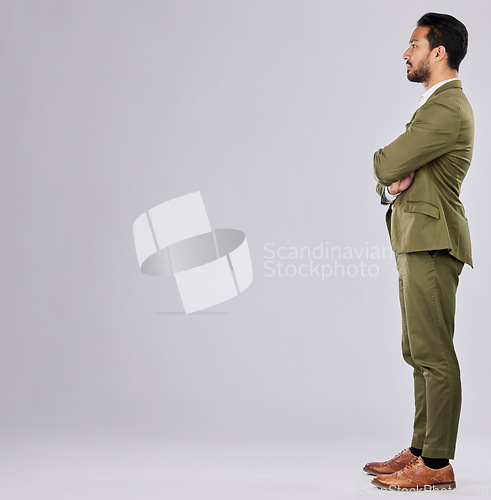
{"x":413,"y":46}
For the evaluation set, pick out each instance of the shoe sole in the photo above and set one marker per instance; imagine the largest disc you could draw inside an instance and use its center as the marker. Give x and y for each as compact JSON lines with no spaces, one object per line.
{"x":371,"y":472}
{"x":440,"y":486}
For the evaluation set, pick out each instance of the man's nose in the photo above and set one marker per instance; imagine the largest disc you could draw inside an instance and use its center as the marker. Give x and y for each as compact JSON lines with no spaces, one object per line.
{"x":405,"y":56}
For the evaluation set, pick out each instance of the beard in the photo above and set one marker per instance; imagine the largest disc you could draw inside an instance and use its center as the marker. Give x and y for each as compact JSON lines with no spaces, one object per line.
{"x":420,"y":75}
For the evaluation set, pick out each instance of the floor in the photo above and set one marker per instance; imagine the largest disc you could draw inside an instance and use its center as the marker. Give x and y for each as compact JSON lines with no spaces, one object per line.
{"x":61,"y":470}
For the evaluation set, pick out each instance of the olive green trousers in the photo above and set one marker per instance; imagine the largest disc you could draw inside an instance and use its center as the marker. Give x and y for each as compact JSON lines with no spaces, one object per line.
{"x":427,"y":289}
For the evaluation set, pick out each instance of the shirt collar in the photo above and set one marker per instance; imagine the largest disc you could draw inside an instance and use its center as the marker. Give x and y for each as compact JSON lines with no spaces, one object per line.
{"x":430,"y":91}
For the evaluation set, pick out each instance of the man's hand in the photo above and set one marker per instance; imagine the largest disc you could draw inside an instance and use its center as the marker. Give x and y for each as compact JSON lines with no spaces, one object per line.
{"x":402,"y":184}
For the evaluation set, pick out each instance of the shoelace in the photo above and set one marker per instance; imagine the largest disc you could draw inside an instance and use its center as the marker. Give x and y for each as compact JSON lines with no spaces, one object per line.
{"x":412,"y":463}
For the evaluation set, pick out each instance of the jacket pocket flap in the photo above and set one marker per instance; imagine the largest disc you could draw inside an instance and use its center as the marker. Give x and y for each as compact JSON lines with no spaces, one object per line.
{"x":422,"y":207}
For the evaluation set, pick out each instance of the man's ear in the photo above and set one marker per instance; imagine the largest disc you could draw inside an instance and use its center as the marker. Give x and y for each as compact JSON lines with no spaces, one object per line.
{"x":439,"y":53}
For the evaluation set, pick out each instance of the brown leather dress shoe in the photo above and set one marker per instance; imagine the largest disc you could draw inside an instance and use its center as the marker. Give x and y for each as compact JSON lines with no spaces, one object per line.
{"x":390,"y":466}
{"x":417,"y":476}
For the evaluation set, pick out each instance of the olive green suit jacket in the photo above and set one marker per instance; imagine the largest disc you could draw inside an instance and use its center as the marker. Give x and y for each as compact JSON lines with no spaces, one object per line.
{"x":437,"y":144}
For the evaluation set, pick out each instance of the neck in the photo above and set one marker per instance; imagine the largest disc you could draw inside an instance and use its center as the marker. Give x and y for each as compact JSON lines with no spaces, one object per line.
{"x":434,"y":79}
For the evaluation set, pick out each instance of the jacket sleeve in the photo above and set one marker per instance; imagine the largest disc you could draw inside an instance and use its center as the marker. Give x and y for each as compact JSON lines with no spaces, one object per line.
{"x":380,"y":190}
{"x":432,"y":133}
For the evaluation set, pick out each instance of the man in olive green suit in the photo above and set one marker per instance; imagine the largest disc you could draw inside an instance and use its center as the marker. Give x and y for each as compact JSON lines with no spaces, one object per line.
{"x":419,"y":176}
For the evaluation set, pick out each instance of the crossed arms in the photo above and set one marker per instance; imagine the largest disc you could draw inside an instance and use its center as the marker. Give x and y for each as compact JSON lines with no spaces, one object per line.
{"x":429,"y":135}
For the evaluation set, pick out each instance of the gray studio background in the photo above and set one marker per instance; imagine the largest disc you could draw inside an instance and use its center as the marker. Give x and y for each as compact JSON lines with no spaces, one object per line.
{"x":272,"y":109}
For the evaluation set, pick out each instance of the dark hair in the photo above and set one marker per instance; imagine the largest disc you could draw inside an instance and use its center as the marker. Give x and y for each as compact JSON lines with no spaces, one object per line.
{"x":447,"y":31}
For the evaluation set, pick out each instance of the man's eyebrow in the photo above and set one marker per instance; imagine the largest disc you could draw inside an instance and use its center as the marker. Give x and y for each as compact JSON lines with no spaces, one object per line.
{"x":413,"y":40}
